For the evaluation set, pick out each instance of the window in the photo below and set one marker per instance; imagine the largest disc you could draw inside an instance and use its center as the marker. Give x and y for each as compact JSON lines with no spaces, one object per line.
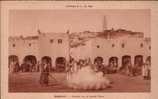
{"x":51,"y":40}
{"x":29,"y":44}
{"x":59,"y":41}
{"x":98,"y":46}
{"x":13,"y":45}
{"x":113,"y":45}
{"x":123,"y":45}
{"x":141,"y":45}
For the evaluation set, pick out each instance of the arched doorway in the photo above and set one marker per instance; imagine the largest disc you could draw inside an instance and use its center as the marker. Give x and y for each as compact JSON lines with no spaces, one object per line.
{"x":98,"y":60}
{"x":60,"y":64}
{"x":12,"y":58}
{"x":138,"y":60}
{"x":148,"y":59}
{"x":113,"y":61}
{"x":48,"y":60}
{"x":126,"y":59}
{"x":29,"y":63}
{"x":112,"y":66}
{"x":13,"y":63}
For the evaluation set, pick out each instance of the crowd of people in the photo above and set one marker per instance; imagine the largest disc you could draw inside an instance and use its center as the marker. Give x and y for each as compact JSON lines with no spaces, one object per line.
{"x":83,"y":74}
{"x":28,"y":66}
{"x":135,"y":70}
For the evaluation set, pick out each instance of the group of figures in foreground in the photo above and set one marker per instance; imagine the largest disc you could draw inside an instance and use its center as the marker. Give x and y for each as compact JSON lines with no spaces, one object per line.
{"x":85,"y":75}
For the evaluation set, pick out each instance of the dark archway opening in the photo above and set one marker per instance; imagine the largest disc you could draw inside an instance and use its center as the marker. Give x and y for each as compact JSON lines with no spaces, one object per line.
{"x":60,"y":64}
{"x":126,"y":60}
{"x":29,"y":63}
{"x":148,"y":59}
{"x":112,"y":66}
{"x":138,"y":63}
{"x":138,"y":60}
{"x":48,"y":60}
{"x":12,"y":58}
{"x":98,"y":60}
{"x":13,"y":63}
{"x":113,"y":62}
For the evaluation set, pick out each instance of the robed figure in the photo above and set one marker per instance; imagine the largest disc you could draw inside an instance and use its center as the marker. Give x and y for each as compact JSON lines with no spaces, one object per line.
{"x":45,"y":72}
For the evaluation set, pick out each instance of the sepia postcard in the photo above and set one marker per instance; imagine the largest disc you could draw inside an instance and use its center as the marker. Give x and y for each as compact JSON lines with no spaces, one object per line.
{"x":79,"y":49}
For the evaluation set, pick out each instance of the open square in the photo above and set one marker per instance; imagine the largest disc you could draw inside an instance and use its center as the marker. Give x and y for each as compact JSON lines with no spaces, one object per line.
{"x":29,"y":82}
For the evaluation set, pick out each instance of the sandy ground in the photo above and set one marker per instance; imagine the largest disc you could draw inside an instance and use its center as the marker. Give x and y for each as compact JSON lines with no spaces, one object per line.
{"x":29,"y":82}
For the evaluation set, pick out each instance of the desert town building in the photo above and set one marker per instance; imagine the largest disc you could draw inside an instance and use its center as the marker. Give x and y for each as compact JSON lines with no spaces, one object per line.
{"x":119,"y":45}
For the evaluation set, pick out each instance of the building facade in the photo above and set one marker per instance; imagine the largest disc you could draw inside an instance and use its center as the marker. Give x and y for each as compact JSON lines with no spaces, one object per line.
{"x":119,"y":45}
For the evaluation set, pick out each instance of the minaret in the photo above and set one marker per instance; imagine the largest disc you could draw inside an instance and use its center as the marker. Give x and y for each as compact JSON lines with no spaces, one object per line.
{"x":104,"y":24}
{"x":105,"y":27}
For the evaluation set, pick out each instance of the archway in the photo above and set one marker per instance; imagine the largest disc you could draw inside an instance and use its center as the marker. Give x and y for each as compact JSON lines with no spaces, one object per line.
{"x":126,"y":59}
{"x":60,"y":64}
{"x":29,"y":63}
{"x":47,"y":58}
{"x":13,"y":63}
{"x":98,"y":60}
{"x":148,"y":59}
{"x":138,"y":60}
{"x":12,"y":58}
{"x":113,"y":61}
{"x":30,"y":58}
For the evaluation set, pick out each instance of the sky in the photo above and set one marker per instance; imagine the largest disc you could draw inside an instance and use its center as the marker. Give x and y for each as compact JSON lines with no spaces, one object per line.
{"x":27,"y":22}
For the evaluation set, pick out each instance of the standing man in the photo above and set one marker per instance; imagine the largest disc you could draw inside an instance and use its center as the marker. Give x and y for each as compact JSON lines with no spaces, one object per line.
{"x":45,"y":70}
{"x":146,"y":71}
